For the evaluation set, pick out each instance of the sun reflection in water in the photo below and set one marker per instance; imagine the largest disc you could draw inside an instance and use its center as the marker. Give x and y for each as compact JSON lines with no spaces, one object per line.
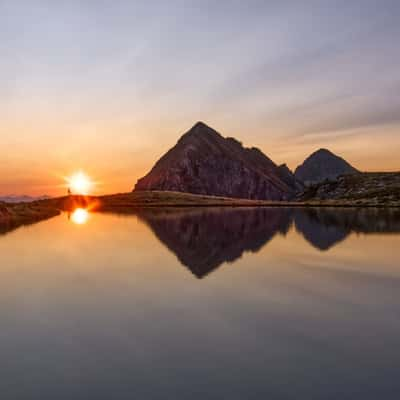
{"x":80,"y":216}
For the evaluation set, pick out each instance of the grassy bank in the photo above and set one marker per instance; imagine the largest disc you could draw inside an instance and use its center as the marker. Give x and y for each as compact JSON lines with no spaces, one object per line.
{"x":125,"y":202}
{"x":14,"y":215}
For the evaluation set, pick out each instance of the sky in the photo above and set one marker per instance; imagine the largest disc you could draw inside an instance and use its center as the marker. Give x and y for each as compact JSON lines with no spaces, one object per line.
{"x":108,"y":86}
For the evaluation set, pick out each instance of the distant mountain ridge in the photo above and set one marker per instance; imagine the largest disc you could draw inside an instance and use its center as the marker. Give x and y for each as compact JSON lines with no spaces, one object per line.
{"x":322,"y":165}
{"x":22,"y":199}
{"x":204,"y":162}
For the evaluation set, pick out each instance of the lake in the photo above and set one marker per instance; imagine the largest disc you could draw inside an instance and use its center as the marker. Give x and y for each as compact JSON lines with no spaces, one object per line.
{"x":273,"y":303}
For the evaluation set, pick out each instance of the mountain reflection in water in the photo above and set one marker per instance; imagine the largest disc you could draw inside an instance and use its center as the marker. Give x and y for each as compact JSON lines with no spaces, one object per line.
{"x":203,"y":239}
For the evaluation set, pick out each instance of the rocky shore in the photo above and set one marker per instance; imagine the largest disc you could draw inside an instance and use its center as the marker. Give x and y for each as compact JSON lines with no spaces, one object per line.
{"x":14,"y":215}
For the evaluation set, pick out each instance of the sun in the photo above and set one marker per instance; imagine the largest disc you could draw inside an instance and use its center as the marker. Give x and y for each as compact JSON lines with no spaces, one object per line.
{"x":80,"y":183}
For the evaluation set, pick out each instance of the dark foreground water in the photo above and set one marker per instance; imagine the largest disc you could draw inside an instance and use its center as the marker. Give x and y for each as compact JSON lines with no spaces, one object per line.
{"x":202,"y":304}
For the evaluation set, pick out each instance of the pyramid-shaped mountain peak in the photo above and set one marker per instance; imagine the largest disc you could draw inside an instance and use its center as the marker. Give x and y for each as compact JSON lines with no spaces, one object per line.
{"x":204,"y":162}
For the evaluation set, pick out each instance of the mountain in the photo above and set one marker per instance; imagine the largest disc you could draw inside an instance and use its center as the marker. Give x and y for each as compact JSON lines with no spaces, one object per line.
{"x":204,"y":162}
{"x":21,"y":199}
{"x":322,"y":165}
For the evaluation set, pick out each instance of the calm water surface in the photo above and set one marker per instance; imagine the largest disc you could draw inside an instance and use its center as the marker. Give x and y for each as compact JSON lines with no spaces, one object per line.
{"x":202,"y":304}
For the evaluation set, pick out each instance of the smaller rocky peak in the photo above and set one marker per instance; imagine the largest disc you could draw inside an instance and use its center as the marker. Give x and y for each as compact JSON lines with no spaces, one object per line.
{"x":235,"y":142}
{"x":321,"y":165}
{"x":284,"y":167}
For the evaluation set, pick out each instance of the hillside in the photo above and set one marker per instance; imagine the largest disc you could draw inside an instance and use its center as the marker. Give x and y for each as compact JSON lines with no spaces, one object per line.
{"x":14,"y":215}
{"x":360,"y":189}
{"x":126,"y":202}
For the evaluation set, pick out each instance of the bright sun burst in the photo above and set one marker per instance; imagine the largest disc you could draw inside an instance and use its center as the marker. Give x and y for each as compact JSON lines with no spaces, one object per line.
{"x":80,"y":183}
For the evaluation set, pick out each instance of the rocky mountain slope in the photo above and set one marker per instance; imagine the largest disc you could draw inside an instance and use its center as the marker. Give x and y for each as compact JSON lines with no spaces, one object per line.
{"x":204,"y":162}
{"x":322,"y":165}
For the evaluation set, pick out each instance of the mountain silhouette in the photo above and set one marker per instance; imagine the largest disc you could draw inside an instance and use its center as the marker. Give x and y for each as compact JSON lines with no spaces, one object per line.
{"x":204,"y":162}
{"x":322,"y":165}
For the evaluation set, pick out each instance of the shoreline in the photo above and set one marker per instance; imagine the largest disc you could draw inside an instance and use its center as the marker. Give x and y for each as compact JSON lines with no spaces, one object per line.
{"x":17,"y":214}
{"x":158,"y":199}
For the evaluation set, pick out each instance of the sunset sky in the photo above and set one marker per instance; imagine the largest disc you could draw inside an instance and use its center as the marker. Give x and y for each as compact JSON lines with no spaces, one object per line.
{"x":108,"y":86}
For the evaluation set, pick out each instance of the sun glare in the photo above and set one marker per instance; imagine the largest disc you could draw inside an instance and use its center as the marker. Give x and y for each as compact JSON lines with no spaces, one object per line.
{"x":80,"y":216}
{"x":80,"y":183}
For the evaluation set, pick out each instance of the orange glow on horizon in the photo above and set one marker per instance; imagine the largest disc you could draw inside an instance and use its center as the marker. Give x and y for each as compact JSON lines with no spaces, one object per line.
{"x":44,"y":166}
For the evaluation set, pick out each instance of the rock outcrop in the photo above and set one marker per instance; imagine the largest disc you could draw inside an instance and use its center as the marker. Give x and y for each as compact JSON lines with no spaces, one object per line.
{"x":368,"y":188}
{"x":204,"y":162}
{"x":5,"y":213}
{"x":323,"y":165}
{"x":288,"y":177}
